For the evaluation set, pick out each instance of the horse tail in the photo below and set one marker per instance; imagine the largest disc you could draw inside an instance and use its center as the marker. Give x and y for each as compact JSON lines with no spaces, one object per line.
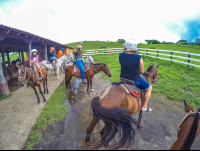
{"x":115,"y":120}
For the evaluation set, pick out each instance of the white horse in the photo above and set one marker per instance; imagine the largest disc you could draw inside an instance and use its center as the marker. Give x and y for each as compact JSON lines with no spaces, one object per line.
{"x":58,"y":64}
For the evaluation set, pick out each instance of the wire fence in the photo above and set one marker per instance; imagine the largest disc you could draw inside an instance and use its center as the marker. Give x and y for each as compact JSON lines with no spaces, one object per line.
{"x":188,"y":58}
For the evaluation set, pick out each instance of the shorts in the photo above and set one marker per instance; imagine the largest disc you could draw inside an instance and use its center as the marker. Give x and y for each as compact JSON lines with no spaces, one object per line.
{"x":36,"y":63}
{"x":51,"y":60}
{"x":142,"y":84}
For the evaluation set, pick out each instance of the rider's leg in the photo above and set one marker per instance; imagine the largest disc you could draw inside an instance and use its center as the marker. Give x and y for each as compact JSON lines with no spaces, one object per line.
{"x":53,"y":64}
{"x":40,"y":70}
{"x":80,"y":65}
{"x":147,"y":96}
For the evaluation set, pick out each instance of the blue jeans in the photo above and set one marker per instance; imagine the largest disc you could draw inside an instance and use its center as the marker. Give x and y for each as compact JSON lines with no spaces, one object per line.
{"x":80,"y":64}
{"x":142,"y":84}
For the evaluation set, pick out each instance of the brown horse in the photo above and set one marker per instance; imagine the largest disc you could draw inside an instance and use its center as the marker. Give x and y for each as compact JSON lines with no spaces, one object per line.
{"x":93,"y":69}
{"x":189,"y":129}
{"x":115,"y":110}
{"x":33,"y":79}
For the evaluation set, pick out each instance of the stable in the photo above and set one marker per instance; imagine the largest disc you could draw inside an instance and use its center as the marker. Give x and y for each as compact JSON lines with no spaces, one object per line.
{"x":22,"y":42}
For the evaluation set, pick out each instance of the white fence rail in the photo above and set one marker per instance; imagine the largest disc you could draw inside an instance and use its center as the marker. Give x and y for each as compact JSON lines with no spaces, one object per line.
{"x":146,"y":52}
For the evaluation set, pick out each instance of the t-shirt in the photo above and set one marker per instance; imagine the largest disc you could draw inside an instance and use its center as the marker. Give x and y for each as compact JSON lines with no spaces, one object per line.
{"x":77,"y":56}
{"x":59,"y":54}
{"x":50,"y":55}
{"x":130,"y":66}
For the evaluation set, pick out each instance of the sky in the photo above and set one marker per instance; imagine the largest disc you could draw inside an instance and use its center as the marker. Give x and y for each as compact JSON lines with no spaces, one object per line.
{"x":67,"y":21}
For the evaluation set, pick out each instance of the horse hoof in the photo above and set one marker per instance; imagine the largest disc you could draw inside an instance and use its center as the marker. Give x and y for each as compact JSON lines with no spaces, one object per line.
{"x":38,"y":102}
{"x":44,"y":101}
{"x":92,"y":90}
{"x":139,"y":126}
{"x":48,"y":92}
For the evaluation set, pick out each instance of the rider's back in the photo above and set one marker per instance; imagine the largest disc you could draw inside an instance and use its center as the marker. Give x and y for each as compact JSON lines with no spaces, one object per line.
{"x":130,"y":66}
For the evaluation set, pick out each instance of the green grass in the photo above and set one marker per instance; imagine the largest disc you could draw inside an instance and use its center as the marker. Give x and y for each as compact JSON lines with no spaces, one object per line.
{"x":174,"y":80}
{"x":54,"y":111}
{"x":13,"y":56}
{"x":5,"y":96}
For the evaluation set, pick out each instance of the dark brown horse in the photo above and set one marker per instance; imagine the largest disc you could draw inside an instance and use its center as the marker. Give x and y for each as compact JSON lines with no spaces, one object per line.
{"x":115,"y":111}
{"x":189,"y":129}
{"x":93,"y":69}
{"x":103,"y":47}
{"x":33,"y":79}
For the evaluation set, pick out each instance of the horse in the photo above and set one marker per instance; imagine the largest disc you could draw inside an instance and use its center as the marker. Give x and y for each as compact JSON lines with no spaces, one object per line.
{"x":189,"y":129}
{"x":114,"y":107}
{"x":93,"y":69}
{"x":58,"y":64}
{"x":33,"y":79}
{"x":103,"y":47}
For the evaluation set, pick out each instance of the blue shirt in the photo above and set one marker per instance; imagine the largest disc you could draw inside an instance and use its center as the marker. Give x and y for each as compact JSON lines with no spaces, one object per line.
{"x":50,"y":55}
{"x":130,"y":66}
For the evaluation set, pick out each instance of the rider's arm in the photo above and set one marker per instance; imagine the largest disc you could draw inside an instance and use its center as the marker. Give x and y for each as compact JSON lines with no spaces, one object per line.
{"x":141,"y":66}
{"x":73,"y":59}
{"x":83,"y":59}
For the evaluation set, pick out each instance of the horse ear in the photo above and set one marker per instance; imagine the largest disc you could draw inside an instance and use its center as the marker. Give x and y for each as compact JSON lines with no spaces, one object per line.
{"x":188,"y":107}
{"x":157,"y":66}
{"x":150,"y":64}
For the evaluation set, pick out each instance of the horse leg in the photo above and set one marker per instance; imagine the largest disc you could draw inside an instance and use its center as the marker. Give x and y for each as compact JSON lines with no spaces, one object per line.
{"x":36,"y":94}
{"x":44,"y":100}
{"x":58,"y":72}
{"x":44,"y":87}
{"x":139,"y":119}
{"x":104,"y":133}
{"x":92,"y":90}
{"x":70,"y":81}
{"x":91,"y":128}
{"x":88,"y":87}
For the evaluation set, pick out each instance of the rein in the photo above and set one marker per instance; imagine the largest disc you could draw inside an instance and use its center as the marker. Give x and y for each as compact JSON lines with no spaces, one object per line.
{"x":95,"y":70}
{"x":186,"y":116}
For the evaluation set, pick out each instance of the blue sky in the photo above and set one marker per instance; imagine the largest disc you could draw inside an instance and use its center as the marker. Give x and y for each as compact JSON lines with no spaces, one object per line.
{"x":68,"y":21}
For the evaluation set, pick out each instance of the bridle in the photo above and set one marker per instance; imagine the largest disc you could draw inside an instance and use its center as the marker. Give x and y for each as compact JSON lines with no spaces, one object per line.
{"x":151,"y":75}
{"x":96,"y":70}
{"x":189,"y":114}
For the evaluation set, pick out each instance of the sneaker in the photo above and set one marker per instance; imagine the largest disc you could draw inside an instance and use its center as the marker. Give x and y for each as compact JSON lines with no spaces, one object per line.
{"x":145,"y":109}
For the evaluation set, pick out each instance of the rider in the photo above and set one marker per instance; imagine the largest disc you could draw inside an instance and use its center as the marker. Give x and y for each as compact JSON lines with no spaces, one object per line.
{"x":51,"y":57}
{"x":131,"y":68}
{"x":80,"y":61}
{"x":34,"y":58}
{"x":60,"y":53}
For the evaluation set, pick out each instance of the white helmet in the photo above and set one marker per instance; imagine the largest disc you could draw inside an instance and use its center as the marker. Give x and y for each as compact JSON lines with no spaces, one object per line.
{"x":130,"y":45}
{"x":34,"y":50}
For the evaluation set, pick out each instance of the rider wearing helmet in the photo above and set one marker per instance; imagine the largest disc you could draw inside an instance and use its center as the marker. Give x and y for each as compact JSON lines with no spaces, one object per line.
{"x":60,"y":53}
{"x":80,"y":61}
{"x":34,"y":58}
{"x":131,"y":68}
{"x":51,"y":57}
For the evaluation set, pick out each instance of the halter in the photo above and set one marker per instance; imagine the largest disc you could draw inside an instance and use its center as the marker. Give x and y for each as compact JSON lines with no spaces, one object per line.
{"x":151,"y":75}
{"x":187,"y":116}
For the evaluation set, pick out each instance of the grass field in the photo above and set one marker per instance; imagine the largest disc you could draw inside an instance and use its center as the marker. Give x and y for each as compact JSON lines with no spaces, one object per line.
{"x":175,"y":80}
{"x":13,"y":56}
{"x":54,"y":111}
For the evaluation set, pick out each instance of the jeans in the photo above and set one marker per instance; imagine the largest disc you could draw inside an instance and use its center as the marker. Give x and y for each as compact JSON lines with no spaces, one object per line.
{"x":80,"y":64}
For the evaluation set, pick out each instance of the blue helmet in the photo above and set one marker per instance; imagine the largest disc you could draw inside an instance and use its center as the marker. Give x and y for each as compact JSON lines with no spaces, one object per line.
{"x":62,"y":49}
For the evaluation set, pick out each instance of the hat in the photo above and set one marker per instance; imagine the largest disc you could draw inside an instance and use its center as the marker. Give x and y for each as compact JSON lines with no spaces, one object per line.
{"x":34,"y":50}
{"x":130,"y":45}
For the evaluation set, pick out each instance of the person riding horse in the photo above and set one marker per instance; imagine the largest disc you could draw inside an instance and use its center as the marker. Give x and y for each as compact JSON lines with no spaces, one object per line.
{"x":80,"y":62}
{"x":51,"y":57}
{"x":131,"y":68}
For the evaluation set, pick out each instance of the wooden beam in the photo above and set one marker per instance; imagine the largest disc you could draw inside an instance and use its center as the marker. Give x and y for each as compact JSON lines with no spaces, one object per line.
{"x":8,"y":32}
{"x":18,"y":34}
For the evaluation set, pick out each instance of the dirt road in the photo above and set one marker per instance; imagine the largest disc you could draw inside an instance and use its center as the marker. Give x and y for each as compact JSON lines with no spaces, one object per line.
{"x":159,"y":127}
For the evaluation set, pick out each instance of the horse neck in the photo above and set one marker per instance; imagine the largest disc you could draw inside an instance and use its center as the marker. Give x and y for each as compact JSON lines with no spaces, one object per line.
{"x":183,"y":134}
{"x":97,"y":68}
{"x":145,"y":74}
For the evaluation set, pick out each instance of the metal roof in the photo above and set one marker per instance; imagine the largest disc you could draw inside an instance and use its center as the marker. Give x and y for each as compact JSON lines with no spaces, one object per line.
{"x":24,"y":32}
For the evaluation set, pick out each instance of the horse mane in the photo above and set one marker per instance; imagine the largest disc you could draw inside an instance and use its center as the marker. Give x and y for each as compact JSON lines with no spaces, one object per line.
{"x":149,"y":69}
{"x":98,"y":63}
{"x":192,"y":133}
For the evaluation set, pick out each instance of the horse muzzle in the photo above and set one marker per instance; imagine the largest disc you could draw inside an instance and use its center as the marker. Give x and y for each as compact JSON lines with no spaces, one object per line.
{"x":109,"y":75}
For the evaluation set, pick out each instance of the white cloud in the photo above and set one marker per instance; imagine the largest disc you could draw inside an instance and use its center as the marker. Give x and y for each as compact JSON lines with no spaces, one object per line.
{"x":70,"y":21}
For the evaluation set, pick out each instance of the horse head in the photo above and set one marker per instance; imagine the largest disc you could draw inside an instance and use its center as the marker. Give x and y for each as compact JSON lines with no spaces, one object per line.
{"x":89,"y":59}
{"x":153,"y":72}
{"x":106,"y":70}
{"x":21,"y":72}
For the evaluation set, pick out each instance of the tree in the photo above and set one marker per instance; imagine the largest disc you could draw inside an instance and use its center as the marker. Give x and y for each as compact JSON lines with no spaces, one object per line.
{"x":121,"y":41}
{"x":148,"y":41}
{"x":155,"y":42}
{"x":182,"y":41}
{"x":197,"y":40}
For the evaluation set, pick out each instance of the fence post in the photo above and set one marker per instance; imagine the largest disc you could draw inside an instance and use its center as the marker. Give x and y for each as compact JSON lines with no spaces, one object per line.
{"x":147,"y":52}
{"x":189,"y":55}
{"x":95,"y":51}
{"x":138,"y":51}
{"x":171,"y":56}
{"x":157,"y":53}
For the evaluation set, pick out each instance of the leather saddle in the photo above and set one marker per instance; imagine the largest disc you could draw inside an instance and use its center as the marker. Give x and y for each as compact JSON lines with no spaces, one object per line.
{"x":86,"y":67}
{"x":130,"y":87}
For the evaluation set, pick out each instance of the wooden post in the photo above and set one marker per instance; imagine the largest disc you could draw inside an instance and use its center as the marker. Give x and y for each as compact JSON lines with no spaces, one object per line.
{"x":19,"y":57}
{"x":8,"y":59}
{"x":29,"y":51}
{"x":147,"y":52}
{"x":157,"y":53}
{"x":171,"y":56}
{"x":3,"y":58}
{"x":22,"y":55}
{"x":95,"y":51}
{"x":189,"y":55}
{"x":54,"y":50}
{"x":45,"y":52}
{"x":2,"y":78}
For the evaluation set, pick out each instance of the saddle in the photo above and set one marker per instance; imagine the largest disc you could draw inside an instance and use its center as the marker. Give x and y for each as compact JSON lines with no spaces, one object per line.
{"x":86,"y":67}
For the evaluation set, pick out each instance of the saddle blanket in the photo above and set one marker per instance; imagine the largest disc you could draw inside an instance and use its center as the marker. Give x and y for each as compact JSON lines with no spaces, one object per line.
{"x":86,"y":67}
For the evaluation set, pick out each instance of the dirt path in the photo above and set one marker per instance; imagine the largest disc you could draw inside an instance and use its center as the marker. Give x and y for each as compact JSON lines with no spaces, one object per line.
{"x":19,"y":112}
{"x":158,"y":132}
